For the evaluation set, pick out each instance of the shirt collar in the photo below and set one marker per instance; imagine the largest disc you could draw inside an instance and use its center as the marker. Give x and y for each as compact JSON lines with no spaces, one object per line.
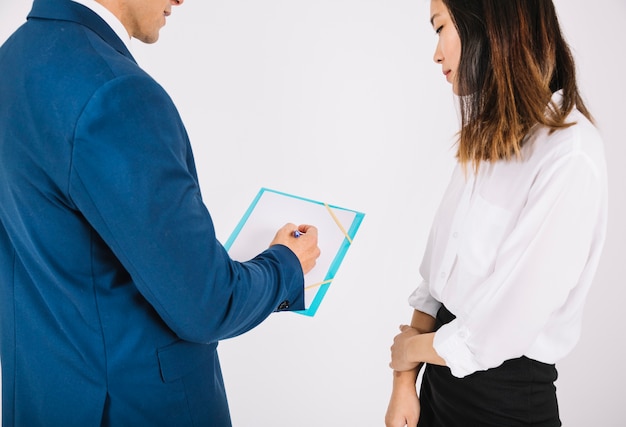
{"x":110,"y":19}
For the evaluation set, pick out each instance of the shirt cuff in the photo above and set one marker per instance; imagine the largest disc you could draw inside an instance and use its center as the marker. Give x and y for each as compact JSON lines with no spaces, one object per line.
{"x":421,"y":300}
{"x":451,"y":344}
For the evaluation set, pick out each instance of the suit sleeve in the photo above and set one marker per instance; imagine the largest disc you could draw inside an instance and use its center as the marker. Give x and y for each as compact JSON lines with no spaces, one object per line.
{"x":133,"y":178}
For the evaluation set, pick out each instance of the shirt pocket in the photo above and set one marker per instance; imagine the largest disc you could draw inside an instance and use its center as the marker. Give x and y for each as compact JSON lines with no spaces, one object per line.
{"x":484,"y":230}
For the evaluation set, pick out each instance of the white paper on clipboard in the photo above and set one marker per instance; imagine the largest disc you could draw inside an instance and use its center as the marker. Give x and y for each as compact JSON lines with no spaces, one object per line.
{"x":272,"y":209}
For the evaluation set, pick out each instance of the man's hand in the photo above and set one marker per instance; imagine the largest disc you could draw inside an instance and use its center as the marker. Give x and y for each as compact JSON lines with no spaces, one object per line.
{"x":302,"y":240}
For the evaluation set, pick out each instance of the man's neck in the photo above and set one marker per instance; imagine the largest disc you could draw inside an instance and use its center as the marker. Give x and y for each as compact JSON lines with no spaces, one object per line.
{"x":109,"y":12}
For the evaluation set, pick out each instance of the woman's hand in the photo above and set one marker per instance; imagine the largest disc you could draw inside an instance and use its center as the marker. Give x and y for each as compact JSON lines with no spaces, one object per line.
{"x":404,"y":405}
{"x":410,"y":348}
{"x":401,"y":349}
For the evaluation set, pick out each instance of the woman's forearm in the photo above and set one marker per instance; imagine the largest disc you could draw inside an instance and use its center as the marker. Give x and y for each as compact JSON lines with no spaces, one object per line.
{"x":422,"y":322}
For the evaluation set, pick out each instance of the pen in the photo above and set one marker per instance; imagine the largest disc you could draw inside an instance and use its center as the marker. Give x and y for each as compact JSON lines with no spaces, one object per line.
{"x":297,"y":233}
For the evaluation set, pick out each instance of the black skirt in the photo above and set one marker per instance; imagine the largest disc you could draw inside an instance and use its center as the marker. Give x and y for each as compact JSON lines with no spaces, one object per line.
{"x":520,"y":392}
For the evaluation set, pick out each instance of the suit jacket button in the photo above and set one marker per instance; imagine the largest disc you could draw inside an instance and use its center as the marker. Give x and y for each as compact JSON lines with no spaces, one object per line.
{"x":283,"y":305}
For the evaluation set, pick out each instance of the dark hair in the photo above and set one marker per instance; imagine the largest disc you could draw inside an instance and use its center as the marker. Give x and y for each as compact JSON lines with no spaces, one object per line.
{"x":513,"y":57}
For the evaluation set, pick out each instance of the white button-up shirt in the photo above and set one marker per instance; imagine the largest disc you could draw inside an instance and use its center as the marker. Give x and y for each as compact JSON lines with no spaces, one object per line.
{"x":514,"y":248}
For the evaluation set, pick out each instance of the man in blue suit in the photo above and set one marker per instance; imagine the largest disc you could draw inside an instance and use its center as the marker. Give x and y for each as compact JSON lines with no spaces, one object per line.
{"x":114,"y":291}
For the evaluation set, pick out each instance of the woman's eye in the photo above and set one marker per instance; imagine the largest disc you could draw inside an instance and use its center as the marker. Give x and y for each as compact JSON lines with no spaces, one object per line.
{"x":438,"y":30}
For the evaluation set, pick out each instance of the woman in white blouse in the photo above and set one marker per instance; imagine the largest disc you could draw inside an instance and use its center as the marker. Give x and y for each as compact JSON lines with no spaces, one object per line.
{"x":517,"y":238}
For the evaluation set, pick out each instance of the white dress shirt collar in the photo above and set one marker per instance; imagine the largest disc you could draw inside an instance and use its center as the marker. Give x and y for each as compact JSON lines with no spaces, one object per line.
{"x":110,"y":19}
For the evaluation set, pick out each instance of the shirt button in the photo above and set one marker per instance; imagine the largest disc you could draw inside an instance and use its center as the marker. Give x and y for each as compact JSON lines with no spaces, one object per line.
{"x":443,"y":275}
{"x":455,"y":234}
{"x":283,"y":305}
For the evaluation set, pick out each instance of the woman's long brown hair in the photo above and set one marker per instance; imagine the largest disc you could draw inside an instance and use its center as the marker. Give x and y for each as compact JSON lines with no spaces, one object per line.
{"x":513,"y":57}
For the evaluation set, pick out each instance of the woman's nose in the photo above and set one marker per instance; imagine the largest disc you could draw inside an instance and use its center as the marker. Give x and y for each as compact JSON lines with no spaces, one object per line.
{"x":438,"y":56}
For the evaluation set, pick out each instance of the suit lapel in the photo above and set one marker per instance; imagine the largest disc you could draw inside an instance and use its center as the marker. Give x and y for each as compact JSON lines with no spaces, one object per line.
{"x":67,"y":10}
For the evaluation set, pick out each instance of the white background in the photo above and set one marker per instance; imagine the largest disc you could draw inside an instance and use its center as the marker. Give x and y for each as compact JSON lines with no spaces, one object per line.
{"x":339,"y":101}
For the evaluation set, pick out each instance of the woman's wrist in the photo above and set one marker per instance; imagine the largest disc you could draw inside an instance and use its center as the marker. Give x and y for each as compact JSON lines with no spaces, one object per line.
{"x":421,"y":350}
{"x":403,"y":379}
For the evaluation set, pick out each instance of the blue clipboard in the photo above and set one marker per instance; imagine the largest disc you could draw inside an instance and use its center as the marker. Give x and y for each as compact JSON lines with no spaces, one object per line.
{"x":271,"y":209}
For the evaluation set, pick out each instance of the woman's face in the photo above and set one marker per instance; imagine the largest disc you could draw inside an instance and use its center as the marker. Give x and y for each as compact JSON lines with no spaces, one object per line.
{"x":448,"y":51}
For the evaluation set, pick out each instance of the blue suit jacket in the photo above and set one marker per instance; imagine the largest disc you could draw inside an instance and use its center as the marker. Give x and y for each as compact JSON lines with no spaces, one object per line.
{"x":113,"y":288}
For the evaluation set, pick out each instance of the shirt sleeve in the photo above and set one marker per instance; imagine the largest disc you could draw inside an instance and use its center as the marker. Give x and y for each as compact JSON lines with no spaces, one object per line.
{"x":421,"y":299}
{"x":537,"y":268}
{"x":133,"y":178}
